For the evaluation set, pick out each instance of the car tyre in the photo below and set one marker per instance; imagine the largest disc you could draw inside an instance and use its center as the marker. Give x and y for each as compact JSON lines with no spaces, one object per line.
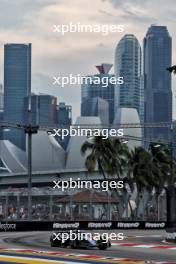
{"x":73,"y":245}
{"x":102,"y":246}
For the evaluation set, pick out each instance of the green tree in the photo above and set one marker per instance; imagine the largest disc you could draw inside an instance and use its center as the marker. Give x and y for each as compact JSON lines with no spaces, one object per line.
{"x":167,"y":163}
{"x":108,"y":154}
{"x":147,"y":170}
{"x":139,"y":175}
{"x":99,"y":153}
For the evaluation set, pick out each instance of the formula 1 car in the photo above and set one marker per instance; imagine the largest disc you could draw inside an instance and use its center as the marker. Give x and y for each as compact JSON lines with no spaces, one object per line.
{"x":56,"y":240}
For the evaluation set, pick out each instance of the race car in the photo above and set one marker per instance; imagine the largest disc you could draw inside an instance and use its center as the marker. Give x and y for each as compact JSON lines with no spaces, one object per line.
{"x":86,"y":242}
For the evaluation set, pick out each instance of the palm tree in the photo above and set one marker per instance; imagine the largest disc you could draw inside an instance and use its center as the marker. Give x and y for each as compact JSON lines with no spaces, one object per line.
{"x":138,"y":171}
{"x":118,"y":159}
{"x":167,"y":181}
{"x":160,"y":163}
{"x":147,"y":170}
{"x":139,"y":175}
{"x":99,"y":154}
{"x":108,"y":154}
{"x":161,"y":159}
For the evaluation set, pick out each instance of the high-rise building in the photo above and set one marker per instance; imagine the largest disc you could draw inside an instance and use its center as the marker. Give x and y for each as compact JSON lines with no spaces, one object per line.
{"x":93,"y":89}
{"x":96,"y":107}
{"x":1,"y":109}
{"x":43,"y":110}
{"x":157,"y":80}
{"x":64,"y":114}
{"x":63,"y":119}
{"x":1,"y":97}
{"x":128,"y":65}
{"x":17,"y":85}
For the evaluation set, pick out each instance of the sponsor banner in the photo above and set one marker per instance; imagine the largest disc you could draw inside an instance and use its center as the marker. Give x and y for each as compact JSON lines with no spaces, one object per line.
{"x":7,"y":226}
{"x":110,"y":225}
{"x":63,"y":225}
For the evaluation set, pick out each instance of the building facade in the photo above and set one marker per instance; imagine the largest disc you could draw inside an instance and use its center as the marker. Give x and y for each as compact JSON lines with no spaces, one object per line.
{"x":63,"y":118}
{"x":157,"y":81}
{"x":17,"y":85}
{"x":92,"y":89}
{"x":64,"y":114}
{"x":96,"y":107}
{"x":1,"y":97}
{"x":128,"y":64}
{"x":43,"y":110}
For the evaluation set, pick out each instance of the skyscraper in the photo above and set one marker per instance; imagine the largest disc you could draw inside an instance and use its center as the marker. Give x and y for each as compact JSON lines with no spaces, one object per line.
{"x":1,"y":97}
{"x":128,"y":65}
{"x":64,"y":114}
{"x":96,"y":107}
{"x":1,"y":109}
{"x":157,"y":80}
{"x":43,"y":110}
{"x":99,"y":90}
{"x":17,"y":85}
{"x":47,"y":110}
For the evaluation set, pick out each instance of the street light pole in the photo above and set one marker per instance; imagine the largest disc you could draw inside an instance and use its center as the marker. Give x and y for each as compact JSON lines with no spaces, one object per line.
{"x":171,"y":192}
{"x":168,"y":204}
{"x":29,"y":129}
{"x":29,"y":175}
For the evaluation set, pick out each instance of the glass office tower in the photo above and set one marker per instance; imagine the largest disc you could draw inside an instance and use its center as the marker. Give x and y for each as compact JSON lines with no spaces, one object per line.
{"x":43,"y":110}
{"x":157,"y":80}
{"x":17,"y":85}
{"x":94,"y":90}
{"x":128,"y":65}
{"x":96,"y":107}
{"x":64,"y":114}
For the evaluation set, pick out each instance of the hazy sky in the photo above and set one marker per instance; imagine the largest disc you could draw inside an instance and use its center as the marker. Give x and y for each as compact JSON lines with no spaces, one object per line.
{"x":77,"y":53}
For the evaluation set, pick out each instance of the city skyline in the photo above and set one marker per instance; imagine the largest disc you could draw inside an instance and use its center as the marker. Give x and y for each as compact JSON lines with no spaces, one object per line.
{"x":88,"y":131}
{"x":78,"y":52}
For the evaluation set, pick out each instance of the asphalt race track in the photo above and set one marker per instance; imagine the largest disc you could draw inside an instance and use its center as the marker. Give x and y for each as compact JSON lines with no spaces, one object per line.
{"x":137,"y":246}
